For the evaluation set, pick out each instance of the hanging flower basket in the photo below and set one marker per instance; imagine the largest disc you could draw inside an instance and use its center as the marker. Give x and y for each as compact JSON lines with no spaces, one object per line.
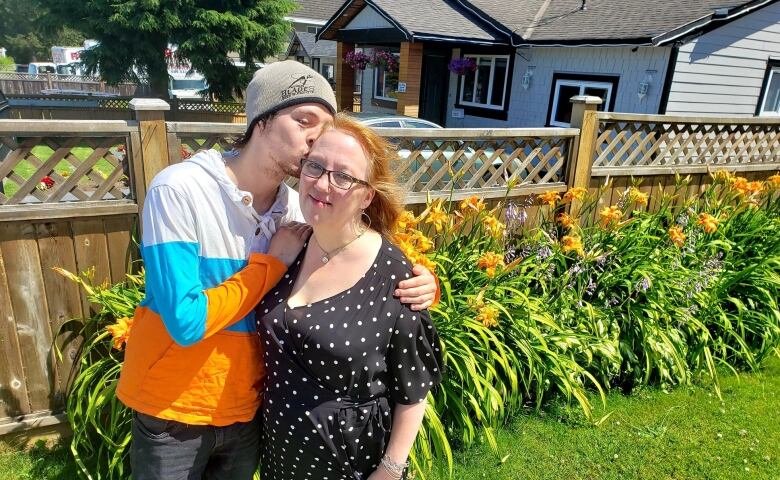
{"x":386,"y":60}
{"x":357,"y":60}
{"x":461,"y":66}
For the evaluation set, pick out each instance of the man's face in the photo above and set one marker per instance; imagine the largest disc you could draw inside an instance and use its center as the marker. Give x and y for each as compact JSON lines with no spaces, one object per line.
{"x":288,"y":137}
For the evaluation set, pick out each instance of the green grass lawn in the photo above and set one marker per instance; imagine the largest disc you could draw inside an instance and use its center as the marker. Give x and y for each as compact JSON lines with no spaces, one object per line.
{"x":687,"y":433}
{"x":26,"y":169}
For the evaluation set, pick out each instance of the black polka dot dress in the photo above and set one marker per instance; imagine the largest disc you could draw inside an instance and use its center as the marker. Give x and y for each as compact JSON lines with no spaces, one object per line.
{"x":335,"y":369}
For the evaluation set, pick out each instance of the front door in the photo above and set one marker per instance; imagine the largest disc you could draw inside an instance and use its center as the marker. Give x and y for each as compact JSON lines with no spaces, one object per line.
{"x":434,"y":85}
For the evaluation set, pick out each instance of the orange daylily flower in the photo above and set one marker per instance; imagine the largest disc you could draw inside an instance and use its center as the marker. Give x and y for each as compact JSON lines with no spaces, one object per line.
{"x":610,"y":214}
{"x":572,"y":243}
{"x":637,"y":196}
{"x":437,"y":216}
{"x":550,"y":198}
{"x":488,"y":316}
{"x":774,"y":181}
{"x":405,"y":221}
{"x":120,"y":331}
{"x":566,"y":220}
{"x":676,"y":235}
{"x":575,"y":193}
{"x":493,"y":226}
{"x":473,"y":204}
{"x":489,"y":261}
{"x":708,"y":222}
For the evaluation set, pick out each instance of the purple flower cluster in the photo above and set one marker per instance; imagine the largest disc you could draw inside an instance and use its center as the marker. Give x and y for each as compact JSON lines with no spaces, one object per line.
{"x":460,"y":66}
{"x":385,"y":59}
{"x":357,"y":60}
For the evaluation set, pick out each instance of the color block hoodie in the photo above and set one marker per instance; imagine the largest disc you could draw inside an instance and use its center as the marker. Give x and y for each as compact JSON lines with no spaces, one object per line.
{"x":191,"y":355}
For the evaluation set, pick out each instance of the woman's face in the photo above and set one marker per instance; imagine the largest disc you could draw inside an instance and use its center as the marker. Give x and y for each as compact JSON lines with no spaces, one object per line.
{"x":324,"y":204}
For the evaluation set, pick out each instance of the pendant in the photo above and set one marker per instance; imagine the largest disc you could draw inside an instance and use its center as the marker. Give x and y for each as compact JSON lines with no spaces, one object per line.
{"x":325,"y":259}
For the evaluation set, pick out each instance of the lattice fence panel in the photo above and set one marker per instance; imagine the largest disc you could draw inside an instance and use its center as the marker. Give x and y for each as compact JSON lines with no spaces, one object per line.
{"x":432,"y":164}
{"x":63,"y":169}
{"x":634,"y":143}
{"x":440,"y":164}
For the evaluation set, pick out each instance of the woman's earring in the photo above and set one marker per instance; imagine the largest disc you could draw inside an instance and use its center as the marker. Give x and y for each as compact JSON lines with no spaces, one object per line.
{"x":364,"y":215}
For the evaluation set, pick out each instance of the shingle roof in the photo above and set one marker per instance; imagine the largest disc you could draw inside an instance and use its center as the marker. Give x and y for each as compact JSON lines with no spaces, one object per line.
{"x":323,"y":48}
{"x":546,"y":21}
{"x":418,"y":17}
{"x":565,"y":20}
{"x":317,"y":9}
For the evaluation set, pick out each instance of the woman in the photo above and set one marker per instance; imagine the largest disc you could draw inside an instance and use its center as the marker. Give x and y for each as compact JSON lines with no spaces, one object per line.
{"x":348,"y":365}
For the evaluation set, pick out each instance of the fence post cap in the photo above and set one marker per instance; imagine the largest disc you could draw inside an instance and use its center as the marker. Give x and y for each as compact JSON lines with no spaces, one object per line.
{"x":586,"y":99}
{"x":139,"y":104}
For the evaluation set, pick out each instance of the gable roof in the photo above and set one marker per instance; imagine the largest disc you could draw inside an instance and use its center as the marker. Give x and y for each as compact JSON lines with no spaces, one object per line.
{"x":414,"y":19}
{"x":313,"y":48}
{"x":606,"y":21}
{"x":316,"y":9}
{"x":549,"y":22}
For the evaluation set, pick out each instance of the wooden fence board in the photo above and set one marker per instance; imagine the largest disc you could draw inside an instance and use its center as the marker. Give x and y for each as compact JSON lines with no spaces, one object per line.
{"x":27,"y":291}
{"x":63,"y":296}
{"x":89,"y":239}
{"x":14,"y":400}
{"x":119,"y":242}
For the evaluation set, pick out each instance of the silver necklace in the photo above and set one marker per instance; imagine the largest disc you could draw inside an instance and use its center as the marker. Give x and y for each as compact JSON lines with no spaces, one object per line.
{"x":326,"y":256}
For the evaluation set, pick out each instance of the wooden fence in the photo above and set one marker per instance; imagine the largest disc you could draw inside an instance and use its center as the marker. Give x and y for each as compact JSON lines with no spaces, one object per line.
{"x":72,"y":189}
{"x":12,"y":83}
{"x":86,"y":107}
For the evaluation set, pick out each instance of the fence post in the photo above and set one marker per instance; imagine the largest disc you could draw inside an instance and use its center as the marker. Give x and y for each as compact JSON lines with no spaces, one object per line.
{"x":583,"y":116}
{"x":150,"y":151}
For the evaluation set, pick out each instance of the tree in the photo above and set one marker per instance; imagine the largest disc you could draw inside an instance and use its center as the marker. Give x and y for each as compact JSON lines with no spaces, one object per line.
{"x":26,"y":35}
{"x":134,"y":36}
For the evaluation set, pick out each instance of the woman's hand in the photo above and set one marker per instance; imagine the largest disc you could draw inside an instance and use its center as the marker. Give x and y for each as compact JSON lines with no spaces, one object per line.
{"x":418,"y":291}
{"x":288,"y":241}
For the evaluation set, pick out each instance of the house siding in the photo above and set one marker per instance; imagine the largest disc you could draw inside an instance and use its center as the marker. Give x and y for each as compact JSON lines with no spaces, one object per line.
{"x":368,"y":18}
{"x":721,"y":72}
{"x":529,"y":108}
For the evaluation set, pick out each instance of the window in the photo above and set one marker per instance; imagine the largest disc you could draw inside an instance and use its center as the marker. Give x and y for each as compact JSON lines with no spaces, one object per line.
{"x":300,"y":59}
{"x":386,"y":84}
{"x":311,"y":30}
{"x":328,"y":71}
{"x":486,"y":86}
{"x":769,"y":104}
{"x":315,"y":64}
{"x":567,"y":86}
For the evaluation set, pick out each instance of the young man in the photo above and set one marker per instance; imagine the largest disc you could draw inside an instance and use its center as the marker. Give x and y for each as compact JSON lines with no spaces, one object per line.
{"x":218,"y":233}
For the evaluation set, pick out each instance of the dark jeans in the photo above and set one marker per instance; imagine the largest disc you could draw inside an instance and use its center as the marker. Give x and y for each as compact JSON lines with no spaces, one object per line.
{"x":169,"y":450}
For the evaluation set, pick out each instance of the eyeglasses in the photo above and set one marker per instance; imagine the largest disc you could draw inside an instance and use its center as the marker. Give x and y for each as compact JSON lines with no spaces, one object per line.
{"x":338,"y":179}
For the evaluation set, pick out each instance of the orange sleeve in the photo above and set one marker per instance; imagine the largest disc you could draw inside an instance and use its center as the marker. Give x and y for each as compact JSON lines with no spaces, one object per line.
{"x":234,"y":298}
{"x":437,"y":297}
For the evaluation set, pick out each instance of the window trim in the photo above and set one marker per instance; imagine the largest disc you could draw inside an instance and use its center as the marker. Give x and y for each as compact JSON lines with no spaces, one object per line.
{"x":583,"y":81}
{"x":317,"y":61}
{"x":772,"y":66}
{"x":462,"y":83}
{"x":376,"y":77}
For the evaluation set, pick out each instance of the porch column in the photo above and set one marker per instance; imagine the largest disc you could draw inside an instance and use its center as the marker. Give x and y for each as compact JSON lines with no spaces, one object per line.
{"x":345,"y":77}
{"x":410,"y":73}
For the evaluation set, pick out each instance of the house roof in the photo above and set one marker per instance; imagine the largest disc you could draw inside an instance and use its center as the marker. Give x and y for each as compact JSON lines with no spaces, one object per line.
{"x":415,"y":19}
{"x":313,"y":48}
{"x":635,"y":21}
{"x":316,"y":9}
{"x":549,"y":22}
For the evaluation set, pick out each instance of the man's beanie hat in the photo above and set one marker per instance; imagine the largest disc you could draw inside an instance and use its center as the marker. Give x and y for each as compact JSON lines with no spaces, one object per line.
{"x":283,"y":84}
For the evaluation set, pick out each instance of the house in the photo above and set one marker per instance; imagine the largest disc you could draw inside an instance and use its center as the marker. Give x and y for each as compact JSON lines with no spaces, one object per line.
{"x":682,"y":57}
{"x":306,"y":20}
{"x":321,"y":56}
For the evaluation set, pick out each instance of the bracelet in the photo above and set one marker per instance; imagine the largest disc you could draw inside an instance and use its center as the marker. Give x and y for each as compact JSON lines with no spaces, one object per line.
{"x":394,"y":468}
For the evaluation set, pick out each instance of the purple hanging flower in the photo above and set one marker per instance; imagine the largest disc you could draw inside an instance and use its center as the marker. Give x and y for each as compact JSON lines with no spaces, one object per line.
{"x":357,"y":60}
{"x":461,"y":66}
